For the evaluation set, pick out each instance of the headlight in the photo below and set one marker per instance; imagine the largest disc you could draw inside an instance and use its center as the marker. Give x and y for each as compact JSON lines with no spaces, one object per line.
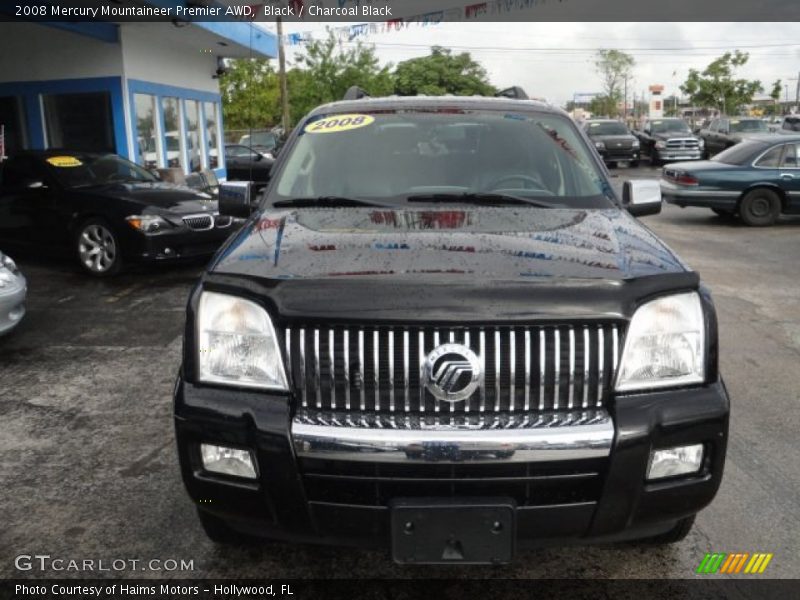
{"x":600,"y":145}
{"x":660,"y":145}
{"x":236,"y":343}
{"x":701,"y":142}
{"x":7,"y":263}
{"x":665,"y":345}
{"x":635,"y":144}
{"x":147,"y":223}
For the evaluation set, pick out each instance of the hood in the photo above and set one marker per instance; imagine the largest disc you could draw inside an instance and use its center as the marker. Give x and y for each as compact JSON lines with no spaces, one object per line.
{"x":674,"y":135}
{"x":158,"y":196}
{"x":487,"y":243}
{"x":457,"y":265}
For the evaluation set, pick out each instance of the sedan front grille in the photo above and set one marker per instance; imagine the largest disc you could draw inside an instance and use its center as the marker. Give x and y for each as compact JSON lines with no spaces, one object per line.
{"x":199,"y":222}
{"x":683,"y":144}
{"x":523,"y":368}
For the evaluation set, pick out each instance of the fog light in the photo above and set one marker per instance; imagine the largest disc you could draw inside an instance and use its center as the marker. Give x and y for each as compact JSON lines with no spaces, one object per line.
{"x":228,"y":461}
{"x":670,"y":462}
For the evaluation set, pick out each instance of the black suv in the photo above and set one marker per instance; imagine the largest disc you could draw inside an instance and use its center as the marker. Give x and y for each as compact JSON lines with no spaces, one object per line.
{"x":442,"y":332}
{"x":613,"y":141}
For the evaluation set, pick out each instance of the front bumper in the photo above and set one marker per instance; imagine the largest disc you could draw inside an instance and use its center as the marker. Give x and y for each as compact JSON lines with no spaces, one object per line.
{"x":12,"y":304}
{"x":619,"y":154}
{"x":591,"y":489}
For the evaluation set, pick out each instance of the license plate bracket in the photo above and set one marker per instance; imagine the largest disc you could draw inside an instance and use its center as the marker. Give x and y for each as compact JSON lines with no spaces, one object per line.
{"x":434,"y":531}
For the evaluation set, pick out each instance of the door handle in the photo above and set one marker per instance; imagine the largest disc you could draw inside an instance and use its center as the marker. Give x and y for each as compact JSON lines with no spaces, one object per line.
{"x":787,"y":176}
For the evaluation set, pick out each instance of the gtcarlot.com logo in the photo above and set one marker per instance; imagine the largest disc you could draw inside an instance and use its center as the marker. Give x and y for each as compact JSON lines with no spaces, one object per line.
{"x":734,"y":563}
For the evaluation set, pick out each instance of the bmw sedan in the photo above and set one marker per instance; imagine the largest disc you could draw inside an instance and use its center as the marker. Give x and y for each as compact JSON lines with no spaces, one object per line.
{"x":13,"y":289}
{"x":104,"y":210}
{"x":757,"y":180}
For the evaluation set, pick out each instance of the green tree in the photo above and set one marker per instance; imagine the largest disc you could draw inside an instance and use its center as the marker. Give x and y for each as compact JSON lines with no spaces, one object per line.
{"x":325,"y":71}
{"x":603,"y":106}
{"x":250,"y":94}
{"x":717,"y":87}
{"x":442,"y":72}
{"x":615,"y":68}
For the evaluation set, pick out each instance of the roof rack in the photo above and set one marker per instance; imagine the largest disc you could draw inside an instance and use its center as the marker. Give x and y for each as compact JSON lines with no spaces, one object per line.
{"x":355,"y":93}
{"x":514,"y":92}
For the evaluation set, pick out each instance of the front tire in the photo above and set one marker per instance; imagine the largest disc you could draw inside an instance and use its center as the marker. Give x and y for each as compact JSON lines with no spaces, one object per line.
{"x":97,"y":248}
{"x":760,"y":207}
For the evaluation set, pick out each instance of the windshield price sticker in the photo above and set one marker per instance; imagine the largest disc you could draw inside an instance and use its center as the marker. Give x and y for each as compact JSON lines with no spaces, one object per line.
{"x":339,"y":123}
{"x":64,"y":161}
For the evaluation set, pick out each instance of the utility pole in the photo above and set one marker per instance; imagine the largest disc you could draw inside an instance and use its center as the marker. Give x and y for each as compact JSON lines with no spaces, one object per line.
{"x":282,"y":78}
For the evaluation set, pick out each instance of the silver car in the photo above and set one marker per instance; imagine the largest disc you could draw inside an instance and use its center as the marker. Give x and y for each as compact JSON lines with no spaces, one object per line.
{"x":13,"y":289}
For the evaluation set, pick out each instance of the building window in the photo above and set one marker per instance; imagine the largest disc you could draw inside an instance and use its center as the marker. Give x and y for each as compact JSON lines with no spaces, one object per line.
{"x":79,"y":121}
{"x":212,"y":134}
{"x":147,"y":138}
{"x":172,"y":133}
{"x":193,"y":148}
{"x":11,"y":120}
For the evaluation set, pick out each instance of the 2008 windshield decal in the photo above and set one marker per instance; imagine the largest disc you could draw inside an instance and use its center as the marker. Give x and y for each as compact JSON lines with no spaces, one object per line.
{"x":339,"y":123}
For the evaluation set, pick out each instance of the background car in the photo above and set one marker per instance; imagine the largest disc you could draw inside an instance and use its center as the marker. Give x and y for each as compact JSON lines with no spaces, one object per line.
{"x":247,"y":164}
{"x":613,"y":140}
{"x":261,"y":141}
{"x":757,"y":179}
{"x":104,"y":209}
{"x":13,"y":289}
{"x":669,"y":140}
{"x":725,"y":132}
{"x":789,"y":124}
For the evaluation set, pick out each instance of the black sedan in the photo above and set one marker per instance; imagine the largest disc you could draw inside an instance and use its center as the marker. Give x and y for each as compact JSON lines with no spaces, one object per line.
{"x":758,"y":179}
{"x":247,"y":164}
{"x":103,"y":209}
{"x":613,"y":140}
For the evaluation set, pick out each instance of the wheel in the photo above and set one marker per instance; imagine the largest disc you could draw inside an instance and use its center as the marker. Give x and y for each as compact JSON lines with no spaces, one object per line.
{"x":725,"y":213}
{"x":97,"y":248}
{"x":633,"y":164}
{"x":218,"y":531}
{"x":674,"y":535}
{"x":760,"y":207}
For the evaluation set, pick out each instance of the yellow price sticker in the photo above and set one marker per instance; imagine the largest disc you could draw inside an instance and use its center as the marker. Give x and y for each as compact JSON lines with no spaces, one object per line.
{"x":339,"y":123}
{"x":64,"y":161}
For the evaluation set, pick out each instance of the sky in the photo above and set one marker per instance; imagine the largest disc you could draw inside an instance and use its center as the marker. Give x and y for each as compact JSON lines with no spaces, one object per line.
{"x":556,"y":60}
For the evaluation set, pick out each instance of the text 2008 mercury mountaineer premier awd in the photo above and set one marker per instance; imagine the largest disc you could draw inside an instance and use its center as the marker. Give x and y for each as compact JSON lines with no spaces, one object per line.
{"x":442,"y":333}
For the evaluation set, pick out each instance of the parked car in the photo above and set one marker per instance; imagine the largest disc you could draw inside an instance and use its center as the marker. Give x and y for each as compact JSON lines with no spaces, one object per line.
{"x":757,"y":179}
{"x":265,"y":142}
{"x":790,"y":124}
{"x":13,"y":289}
{"x":246,"y":164}
{"x":725,"y":132}
{"x":666,"y":140}
{"x":104,"y":209}
{"x":443,"y":332}
{"x":613,"y":140}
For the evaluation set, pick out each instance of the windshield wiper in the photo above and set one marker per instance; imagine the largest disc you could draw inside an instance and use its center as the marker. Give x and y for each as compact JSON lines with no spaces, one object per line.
{"x":322,"y":201}
{"x":480,"y":199}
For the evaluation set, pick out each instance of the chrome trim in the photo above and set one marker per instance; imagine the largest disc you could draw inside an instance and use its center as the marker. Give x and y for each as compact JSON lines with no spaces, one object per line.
{"x":391,"y":370}
{"x":436,"y":344}
{"x":376,"y":365}
{"x":542,"y":365}
{"x":421,"y":370}
{"x":512,"y":363}
{"x":571,"y":396}
{"x":303,"y":392}
{"x":482,"y":356}
{"x":288,"y":364}
{"x":496,"y":370}
{"x":587,"y":361}
{"x":600,"y":367}
{"x":406,"y":387}
{"x":346,"y":357}
{"x":557,"y":360}
{"x":466,"y":403}
{"x":317,"y":382}
{"x":209,"y":216}
{"x":527,"y":369}
{"x":332,"y":371}
{"x":362,"y":382}
{"x":535,"y":437}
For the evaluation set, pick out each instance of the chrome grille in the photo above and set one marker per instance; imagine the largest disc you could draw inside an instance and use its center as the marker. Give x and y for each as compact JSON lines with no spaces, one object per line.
{"x":524,"y":368}
{"x":199,"y":222}
{"x":683,"y":144}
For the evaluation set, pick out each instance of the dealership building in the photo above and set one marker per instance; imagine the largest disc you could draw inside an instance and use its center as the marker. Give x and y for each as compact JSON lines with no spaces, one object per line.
{"x":147,"y":91}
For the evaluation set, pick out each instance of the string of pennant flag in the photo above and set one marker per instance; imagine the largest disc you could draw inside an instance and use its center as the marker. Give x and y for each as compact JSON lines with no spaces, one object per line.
{"x":469,"y":12}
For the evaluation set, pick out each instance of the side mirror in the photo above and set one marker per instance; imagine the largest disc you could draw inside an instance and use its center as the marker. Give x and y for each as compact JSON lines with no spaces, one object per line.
{"x":259,"y":156}
{"x":234,"y":198}
{"x":642,"y":197}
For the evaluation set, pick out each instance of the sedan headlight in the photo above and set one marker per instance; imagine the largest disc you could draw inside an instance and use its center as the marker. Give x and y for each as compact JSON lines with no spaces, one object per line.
{"x":147,"y":223}
{"x":600,"y":145}
{"x":665,"y":345}
{"x":661,"y":145}
{"x":236,"y":344}
{"x":701,"y":142}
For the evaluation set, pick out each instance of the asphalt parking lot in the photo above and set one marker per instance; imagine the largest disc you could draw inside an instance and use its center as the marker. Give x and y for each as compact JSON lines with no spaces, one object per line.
{"x":88,"y":465}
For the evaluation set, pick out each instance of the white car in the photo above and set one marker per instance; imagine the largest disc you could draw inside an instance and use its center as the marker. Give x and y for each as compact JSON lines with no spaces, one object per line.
{"x":13,"y":289}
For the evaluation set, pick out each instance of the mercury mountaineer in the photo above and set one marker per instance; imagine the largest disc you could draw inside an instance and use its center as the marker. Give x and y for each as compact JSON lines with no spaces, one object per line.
{"x":443,"y":333}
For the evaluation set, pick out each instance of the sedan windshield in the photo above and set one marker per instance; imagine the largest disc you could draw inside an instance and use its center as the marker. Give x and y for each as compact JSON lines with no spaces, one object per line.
{"x":84,"y":170}
{"x":433,"y":156}
{"x":669,"y":125}
{"x":607,"y":128}
{"x":738,"y":126}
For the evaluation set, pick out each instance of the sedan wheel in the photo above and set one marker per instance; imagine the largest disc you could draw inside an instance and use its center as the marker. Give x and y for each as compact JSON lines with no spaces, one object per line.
{"x":760,"y":207}
{"x":98,"y":250}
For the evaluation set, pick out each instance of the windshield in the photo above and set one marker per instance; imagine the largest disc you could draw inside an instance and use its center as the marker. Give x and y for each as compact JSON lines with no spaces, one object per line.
{"x":668,"y":125}
{"x":84,"y":170}
{"x":606,"y":128}
{"x":738,"y":126}
{"x":740,"y":154}
{"x":391,"y":156}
